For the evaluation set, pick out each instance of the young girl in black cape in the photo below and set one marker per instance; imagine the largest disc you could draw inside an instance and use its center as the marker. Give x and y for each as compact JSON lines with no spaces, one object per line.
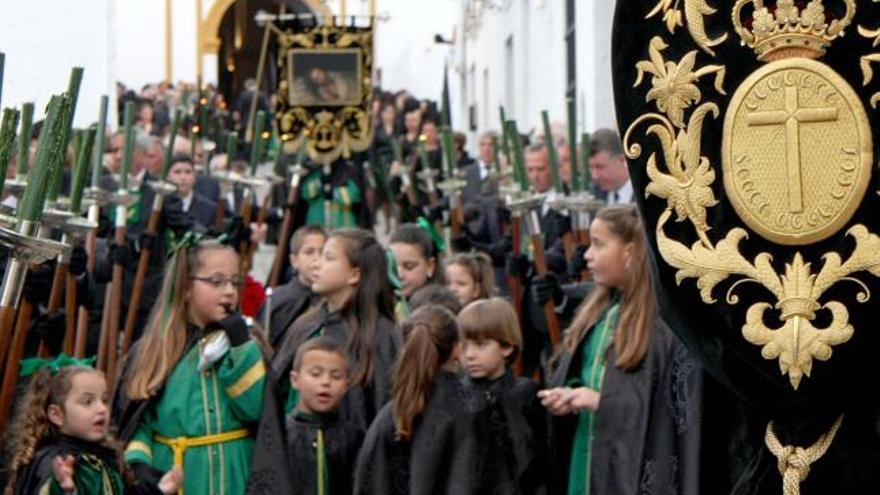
{"x":612,"y":432}
{"x":59,"y":441}
{"x":429,"y":439}
{"x":357,"y":311}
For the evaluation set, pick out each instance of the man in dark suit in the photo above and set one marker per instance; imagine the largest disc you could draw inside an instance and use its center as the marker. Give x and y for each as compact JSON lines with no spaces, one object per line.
{"x":199,"y":209}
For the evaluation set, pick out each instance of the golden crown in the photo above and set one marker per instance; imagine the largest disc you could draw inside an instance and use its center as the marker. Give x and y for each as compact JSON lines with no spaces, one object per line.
{"x":788,"y":31}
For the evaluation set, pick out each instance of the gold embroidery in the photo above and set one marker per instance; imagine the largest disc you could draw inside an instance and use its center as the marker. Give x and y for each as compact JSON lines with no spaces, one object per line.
{"x":694,"y":11}
{"x":865,"y":61}
{"x":248,"y":379}
{"x":673,"y":84}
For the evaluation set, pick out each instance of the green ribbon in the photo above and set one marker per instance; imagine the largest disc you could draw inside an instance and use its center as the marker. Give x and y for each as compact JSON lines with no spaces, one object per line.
{"x":32,"y":365}
{"x":393,"y":276}
{"x":428,"y":227}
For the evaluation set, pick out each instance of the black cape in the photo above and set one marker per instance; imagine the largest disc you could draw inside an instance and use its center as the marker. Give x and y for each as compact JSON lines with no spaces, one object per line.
{"x":448,"y":453}
{"x":647,"y":425}
{"x":289,"y":302}
{"x":359,"y":406}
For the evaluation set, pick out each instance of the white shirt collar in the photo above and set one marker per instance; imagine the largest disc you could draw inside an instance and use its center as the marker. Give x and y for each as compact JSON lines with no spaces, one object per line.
{"x":187,"y":201}
{"x":624,"y":195}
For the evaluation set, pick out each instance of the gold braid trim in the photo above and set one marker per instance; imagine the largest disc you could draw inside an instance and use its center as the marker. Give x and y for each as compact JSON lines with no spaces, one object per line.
{"x":794,"y":462}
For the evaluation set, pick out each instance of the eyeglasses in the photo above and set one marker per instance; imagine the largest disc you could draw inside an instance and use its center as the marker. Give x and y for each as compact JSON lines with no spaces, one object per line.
{"x":219,"y":281}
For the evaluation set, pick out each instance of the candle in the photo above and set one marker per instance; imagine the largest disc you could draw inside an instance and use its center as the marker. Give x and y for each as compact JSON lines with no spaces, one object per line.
{"x":505,"y":143}
{"x":231,"y":150}
{"x":56,"y":159}
{"x":98,"y":159}
{"x":7,"y":137}
{"x":423,"y":154}
{"x":2,"y":64}
{"x":518,"y":161}
{"x":81,"y":169}
{"x":572,"y":146}
{"x":24,"y":138}
{"x":169,"y":152}
{"x":73,"y":85}
{"x":448,"y":150}
{"x":256,"y":143}
{"x":585,"y":150}
{"x":551,"y":151}
{"x":127,"y":143}
{"x":31,"y":207}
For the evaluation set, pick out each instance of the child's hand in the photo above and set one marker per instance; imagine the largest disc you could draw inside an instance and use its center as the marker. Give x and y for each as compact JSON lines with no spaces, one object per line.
{"x":62,"y":469}
{"x":171,"y":481}
{"x":556,"y":400}
{"x":583,"y":398}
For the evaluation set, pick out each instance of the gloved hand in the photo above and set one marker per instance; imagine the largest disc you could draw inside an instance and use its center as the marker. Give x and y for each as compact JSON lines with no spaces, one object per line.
{"x":235,"y":328}
{"x":50,"y":328}
{"x":119,"y":254}
{"x":461,"y":244}
{"x":78,"y":260}
{"x":173,"y":215}
{"x":577,"y":263}
{"x":499,"y":251}
{"x":38,"y":282}
{"x":517,"y":266}
{"x":238,"y":232}
{"x":545,"y":288}
{"x":147,"y":241}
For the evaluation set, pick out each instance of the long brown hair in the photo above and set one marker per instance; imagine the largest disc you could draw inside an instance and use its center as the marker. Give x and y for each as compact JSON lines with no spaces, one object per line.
{"x":372,"y":300}
{"x":31,"y":426}
{"x":164,"y":338}
{"x":431,"y":334}
{"x":637,"y":305}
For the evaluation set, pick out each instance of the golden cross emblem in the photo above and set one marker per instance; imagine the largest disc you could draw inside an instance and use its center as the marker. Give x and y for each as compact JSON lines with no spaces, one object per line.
{"x":792,"y":116}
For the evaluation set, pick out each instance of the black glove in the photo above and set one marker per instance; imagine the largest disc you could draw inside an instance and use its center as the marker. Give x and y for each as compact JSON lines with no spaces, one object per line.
{"x":239,"y":232}
{"x":147,"y":240}
{"x":504,"y":215}
{"x":39,"y":282}
{"x":146,"y":474}
{"x":517,"y":266}
{"x":235,"y":327}
{"x":461,"y":244}
{"x":546,"y":287}
{"x":577,"y":263}
{"x":78,"y":260}
{"x":499,"y":251}
{"x":50,"y":329}
{"x":119,"y":254}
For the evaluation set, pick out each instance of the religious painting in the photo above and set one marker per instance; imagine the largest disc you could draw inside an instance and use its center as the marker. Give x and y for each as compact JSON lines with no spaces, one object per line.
{"x":324,"y":77}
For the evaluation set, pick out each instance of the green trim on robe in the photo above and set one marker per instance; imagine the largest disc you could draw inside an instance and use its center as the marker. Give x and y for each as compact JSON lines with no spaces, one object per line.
{"x":225,"y":397}
{"x":91,"y":475}
{"x":341,"y":214}
{"x":593,"y":361}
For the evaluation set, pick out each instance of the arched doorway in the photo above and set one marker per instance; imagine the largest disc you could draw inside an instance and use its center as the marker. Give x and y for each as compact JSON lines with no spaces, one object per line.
{"x":230,"y":32}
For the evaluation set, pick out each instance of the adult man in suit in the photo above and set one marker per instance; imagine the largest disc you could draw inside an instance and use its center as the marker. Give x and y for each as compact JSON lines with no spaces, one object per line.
{"x":608,"y":168}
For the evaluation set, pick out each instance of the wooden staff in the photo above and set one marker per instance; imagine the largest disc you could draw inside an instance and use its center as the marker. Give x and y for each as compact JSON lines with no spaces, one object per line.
{"x":406,"y":182}
{"x":289,"y":212}
{"x":452,"y":185}
{"x":231,"y":147}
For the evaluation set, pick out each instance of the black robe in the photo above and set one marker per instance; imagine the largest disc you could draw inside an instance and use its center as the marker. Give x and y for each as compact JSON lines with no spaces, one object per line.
{"x":359,"y":406}
{"x":342,"y":440}
{"x":289,"y":302}
{"x":647,"y":428}
{"x":518,"y":425}
{"x":448,"y":453}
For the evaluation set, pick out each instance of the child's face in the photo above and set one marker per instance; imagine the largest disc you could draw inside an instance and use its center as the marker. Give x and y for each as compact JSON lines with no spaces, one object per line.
{"x":485,"y":358}
{"x":213,"y":292}
{"x":183,"y":175}
{"x":321,"y":381}
{"x":306,"y":260}
{"x":412,"y":267}
{"x":333,"y":272}
{"x":608,"y":257}
{"x":460,"y":282}
{"x":85,"y":414}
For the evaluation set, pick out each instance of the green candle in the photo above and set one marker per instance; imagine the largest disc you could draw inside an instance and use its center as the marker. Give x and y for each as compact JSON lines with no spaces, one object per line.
{"x":169,"y":152}
{"x":127,"y":144}
{"x":2,"y":64}
{"x":505,"y":143}
{"x":7,"y":137}
{"x":73,"y":85}
{"x":98,"y":159}
{"x":231,"y":147}
{"x":56,"y":164}
{"x":423,"y":155}
{"x":256,"y":142}
{"x":551,"y":151}
{"x":518,"y":161}
{"x":398,"y":150}
{"x":24,"y":138}
{"x":31,"y":206}
{"x":448,"y":142}
{"x":585,"y":151}
{"x":572,"y":146}
{"x":81,"y":169}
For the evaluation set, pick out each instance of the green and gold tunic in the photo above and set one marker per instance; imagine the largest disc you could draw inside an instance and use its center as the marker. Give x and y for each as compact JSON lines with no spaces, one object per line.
{"x":341,"y":206}
{"x":200,"y":420}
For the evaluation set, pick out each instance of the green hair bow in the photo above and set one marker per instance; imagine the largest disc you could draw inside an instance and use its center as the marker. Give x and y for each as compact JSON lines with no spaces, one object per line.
{"x":32,"y":365}
{"x":436,"y":238}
